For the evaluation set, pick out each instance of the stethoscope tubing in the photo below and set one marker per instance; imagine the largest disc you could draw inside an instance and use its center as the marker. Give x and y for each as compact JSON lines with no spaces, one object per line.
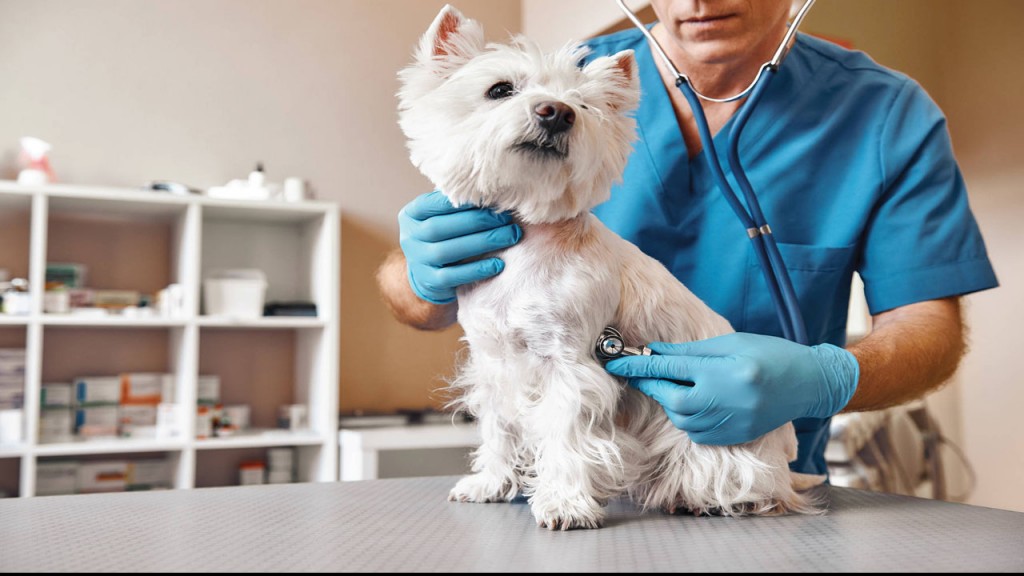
{"x":780,"y":285}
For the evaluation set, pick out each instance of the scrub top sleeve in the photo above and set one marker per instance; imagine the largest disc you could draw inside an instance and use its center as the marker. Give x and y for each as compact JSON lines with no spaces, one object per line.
{"x":922,"y":241}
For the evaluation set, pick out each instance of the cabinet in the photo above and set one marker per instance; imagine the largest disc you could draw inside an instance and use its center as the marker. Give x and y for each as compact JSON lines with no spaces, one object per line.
{"x":143,"y":241}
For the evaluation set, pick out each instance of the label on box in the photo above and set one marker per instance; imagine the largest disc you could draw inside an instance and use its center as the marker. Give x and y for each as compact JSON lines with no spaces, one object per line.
{"x":134,"y":417}
{"x":55,"y":478}
{"x":55,"y":425}
{"x":98,"y":390}
{"x":109,"y":476}
{"x":146,"y":388}
{"x":208,"y":389}
{"x":92,"y":421}
{"x":56,"y":394}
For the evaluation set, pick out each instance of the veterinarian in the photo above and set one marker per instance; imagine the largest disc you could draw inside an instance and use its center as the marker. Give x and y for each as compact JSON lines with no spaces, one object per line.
{"x":855,"y":170}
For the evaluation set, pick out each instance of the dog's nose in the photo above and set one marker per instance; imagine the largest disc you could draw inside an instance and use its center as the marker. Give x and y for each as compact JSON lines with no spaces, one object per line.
{"x":554,"y":117}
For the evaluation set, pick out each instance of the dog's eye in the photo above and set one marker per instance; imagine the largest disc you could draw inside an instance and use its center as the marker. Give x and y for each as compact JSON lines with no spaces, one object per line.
{"x":501,"y":90}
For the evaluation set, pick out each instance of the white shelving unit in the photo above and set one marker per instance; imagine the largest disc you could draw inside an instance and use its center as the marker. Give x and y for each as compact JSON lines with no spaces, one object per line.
{"x":142,"y":240}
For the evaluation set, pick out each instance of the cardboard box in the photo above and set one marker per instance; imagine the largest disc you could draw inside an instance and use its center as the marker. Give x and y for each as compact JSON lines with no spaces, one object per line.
{"x":146,"y":388}
{"x":94,"y":421}
{"x":97,"y":390}
{"x":208,"y":389}
{"x":56,"y":477}
{"x":56,"y":425}
{"x":148,"y":474}
{"x":107,"y":476}
{"x":137,"y":420}
{"x":56,"y":394}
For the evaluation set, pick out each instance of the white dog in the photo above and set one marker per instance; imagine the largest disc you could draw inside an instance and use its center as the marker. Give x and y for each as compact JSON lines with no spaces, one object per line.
{"x":533,"y":134}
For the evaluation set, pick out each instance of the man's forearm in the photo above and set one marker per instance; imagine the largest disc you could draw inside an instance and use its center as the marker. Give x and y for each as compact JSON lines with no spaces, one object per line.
{"x":405,"y":305}
{"x":910,"y":351}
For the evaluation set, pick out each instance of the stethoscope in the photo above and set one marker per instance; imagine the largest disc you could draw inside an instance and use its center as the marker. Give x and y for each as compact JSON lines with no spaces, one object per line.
{"x":780,"y":286}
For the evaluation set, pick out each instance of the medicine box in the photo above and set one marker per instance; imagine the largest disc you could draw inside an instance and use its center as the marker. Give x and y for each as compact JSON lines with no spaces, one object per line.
{"x":251,"y":472}
{"x":98,"y":390}
{"x":12,"y":398}
{"x":148,"y":475}
{"x":137,"y":420}
{"x":281,"y":459}
{"x":208,"y":389}
{"x":56,"y":424}
{"x":94,"y":421}
{"x":146,"y":388}
{"x":56,"y":477}
{"x":107,"y":476}
{"x":56,"y":394}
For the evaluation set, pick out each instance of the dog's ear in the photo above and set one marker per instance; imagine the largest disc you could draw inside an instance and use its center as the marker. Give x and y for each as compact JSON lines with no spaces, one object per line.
{"x":451,"y":40}
{"x":618,"y":73}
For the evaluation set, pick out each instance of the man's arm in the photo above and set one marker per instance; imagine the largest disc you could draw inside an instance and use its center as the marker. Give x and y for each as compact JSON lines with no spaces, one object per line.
{"x":910,"y":351}
{"x":405,"y":305}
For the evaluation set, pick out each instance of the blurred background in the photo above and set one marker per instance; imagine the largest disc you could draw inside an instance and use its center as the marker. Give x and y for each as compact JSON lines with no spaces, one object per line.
{"x":198,"y":91}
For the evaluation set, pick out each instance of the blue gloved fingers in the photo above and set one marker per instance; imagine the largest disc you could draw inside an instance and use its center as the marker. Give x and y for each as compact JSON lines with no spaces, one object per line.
{"x":677,"y":400}
{"x":462,"y":248}
{"x":429,"y":205}
{"x":451,"y":225}
{"x":430,"y":281}
{"x":724,"y":345}
{"x":657,"y":366}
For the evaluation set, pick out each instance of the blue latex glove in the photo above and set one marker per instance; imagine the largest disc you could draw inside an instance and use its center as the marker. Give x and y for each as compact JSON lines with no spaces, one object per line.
{"x":439,"y":241}
{"x":745,"y":385}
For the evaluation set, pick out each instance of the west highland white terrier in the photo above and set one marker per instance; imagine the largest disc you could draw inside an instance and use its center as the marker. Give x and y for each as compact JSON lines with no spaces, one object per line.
{"x":537,"y":135}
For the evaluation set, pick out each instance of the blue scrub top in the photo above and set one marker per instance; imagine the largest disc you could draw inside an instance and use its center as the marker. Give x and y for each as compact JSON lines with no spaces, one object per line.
{"x":854,"y":169}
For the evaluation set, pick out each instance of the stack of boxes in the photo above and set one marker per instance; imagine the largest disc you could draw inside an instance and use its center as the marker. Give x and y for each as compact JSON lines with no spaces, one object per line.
{"x":141,"y":395}
{"x":97,"y":401}
{"x":56,"y":421}
{"x":279,"y":468}
{"x":57,"y":477}
{"x":12,"y":394}
{"x":104,"y":406}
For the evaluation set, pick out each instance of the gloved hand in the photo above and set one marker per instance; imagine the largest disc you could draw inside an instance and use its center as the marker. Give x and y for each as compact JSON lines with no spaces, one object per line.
{"x":745,"y":385}
{"x":436,"y":238}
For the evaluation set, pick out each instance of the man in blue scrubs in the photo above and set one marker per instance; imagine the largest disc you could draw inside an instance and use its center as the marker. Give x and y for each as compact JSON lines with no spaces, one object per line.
{"x":854,"y":169}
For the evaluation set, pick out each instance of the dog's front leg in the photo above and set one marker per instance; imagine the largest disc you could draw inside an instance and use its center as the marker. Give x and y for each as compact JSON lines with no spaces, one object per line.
{"x":496,"y":472}
{"x":578,"y":464}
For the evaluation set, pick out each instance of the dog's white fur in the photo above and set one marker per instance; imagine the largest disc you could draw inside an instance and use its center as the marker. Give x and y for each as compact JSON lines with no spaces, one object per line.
{"x":555,"y":425}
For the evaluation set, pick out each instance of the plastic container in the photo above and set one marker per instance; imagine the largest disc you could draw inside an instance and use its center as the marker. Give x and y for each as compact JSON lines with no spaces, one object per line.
{"x":235,"y":293}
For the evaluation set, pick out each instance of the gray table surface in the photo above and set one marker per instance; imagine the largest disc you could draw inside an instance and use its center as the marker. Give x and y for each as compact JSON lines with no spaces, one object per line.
{"x":407,"y":525}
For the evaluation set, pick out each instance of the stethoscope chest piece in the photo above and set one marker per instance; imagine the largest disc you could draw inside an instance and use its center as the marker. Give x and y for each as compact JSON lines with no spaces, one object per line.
{"x":609,"y":344}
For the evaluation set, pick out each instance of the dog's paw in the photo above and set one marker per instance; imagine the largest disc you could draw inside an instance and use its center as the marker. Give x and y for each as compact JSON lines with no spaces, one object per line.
{"x":581,"y":512}
{"x":483,"y":488}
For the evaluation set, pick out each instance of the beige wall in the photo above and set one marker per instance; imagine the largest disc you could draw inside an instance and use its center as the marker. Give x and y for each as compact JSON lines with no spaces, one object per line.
{"x":199,"y":90}
{"x":552,"y":24}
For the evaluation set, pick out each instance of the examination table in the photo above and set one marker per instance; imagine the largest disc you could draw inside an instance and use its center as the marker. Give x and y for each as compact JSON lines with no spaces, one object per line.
{"x":404,"y":525}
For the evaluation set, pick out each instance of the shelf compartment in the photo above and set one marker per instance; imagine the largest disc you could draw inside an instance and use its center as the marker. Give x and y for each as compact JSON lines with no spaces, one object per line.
{"x":10,"y":472}
{"x":215,"y":468}
{"x":255,"y":367}
{"x":82,"y":473}
{"x":15,"y":240}
{"x":289,"y":251}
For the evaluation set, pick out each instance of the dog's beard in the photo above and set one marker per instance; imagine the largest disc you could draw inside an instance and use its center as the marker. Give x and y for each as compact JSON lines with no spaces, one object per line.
{"x":544,"y":148}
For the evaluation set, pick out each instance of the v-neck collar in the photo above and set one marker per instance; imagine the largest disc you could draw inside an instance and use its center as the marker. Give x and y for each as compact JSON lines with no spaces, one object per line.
{"x":662,"y":136}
